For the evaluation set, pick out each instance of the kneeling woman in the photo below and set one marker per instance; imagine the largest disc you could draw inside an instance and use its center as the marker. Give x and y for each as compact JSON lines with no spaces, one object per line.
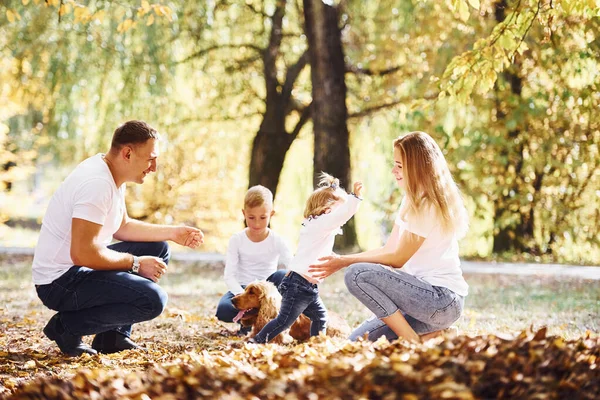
{"x":413,"y":284}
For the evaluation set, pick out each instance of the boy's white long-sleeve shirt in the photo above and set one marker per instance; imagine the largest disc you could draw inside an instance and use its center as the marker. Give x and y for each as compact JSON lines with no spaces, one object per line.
{"x":317,"y":235}
{"x":247,"y":261}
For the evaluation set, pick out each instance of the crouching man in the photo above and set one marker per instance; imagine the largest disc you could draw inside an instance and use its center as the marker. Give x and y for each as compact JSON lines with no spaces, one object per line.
{"x":97,"y":288}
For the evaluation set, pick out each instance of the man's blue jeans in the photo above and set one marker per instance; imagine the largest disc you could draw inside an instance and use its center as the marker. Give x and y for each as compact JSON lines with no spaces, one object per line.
{"x":299,"y":297}
{"x":93,"y":301}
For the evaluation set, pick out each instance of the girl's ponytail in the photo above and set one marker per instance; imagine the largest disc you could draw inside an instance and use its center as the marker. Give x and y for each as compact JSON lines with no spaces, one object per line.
{"x":324,"y":196}
{"x":328,"y":181}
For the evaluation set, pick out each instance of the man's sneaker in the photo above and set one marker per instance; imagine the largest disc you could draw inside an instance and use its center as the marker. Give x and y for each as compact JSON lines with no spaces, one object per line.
{"x":70,"y":345}
{"x":113,"y":342}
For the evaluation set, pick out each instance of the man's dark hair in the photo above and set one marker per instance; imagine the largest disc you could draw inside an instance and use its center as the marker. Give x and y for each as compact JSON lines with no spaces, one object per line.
{"x":132,"y":133}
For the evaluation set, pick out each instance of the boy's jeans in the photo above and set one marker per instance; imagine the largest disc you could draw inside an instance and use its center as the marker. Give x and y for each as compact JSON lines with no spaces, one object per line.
{"x":93,"y":301}
{"x":299,"y":297}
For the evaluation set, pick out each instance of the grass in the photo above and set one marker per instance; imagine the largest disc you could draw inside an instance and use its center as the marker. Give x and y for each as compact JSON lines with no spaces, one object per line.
{"x":499,"y":304}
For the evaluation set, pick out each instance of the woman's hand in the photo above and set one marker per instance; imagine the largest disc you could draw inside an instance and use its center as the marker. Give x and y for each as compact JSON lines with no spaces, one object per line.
{"x":327,"y":266}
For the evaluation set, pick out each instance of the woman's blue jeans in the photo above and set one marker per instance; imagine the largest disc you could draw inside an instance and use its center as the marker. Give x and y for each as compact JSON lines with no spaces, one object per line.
{"x":93,"y":301}
{"x":427,"y":308}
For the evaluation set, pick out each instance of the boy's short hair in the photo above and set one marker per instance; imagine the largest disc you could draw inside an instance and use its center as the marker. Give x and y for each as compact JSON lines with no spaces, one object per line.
{"x":257,"y":196}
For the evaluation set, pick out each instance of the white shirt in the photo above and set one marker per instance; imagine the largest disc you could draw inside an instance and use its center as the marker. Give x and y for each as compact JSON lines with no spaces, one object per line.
{"x":436,"y":261}
{"x":88,"y":193}
{"x":247,"y":261}
{"x":318,"y":234}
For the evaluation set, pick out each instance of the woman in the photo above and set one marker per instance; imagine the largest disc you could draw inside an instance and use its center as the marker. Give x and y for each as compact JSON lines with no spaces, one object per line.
{"x":413,"y":284}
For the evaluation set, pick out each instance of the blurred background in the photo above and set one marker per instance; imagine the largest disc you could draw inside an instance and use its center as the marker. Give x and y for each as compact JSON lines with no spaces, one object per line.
{"x":272,"y":91}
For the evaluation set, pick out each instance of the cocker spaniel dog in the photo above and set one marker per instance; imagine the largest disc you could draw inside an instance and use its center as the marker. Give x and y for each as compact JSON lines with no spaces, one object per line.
{"x":260,"y":303}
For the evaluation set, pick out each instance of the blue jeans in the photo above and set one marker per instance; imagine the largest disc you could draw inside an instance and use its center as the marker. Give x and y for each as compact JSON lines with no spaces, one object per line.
{"x":226,"y":311}
{"x":93,"y":301}
{"x":427,"y":308}
{"x":299,"y":297}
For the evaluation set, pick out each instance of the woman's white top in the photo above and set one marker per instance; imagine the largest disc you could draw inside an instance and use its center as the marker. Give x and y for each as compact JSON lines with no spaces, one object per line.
{"x":436,"y":261}
{"x":248,"y":261}
{"x":318,"y":234}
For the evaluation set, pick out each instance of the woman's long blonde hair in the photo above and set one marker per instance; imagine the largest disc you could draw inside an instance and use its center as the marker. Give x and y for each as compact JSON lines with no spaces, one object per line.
{"x":428,"y":182}
{"x":324,"y":196}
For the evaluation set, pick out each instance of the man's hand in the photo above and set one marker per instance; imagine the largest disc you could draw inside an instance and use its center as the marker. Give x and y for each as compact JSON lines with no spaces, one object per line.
{"x":328,"y":265}
{"x":188,"y":236}
{"x":358,"y":188}
{"x":152,"y":268}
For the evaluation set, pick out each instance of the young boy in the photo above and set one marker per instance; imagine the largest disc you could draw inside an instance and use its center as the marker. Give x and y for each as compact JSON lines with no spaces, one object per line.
{"x":254,"y":253}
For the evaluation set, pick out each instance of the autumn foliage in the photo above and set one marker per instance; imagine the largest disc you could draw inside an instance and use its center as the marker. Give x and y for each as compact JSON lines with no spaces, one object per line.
{"x":529,"y":366}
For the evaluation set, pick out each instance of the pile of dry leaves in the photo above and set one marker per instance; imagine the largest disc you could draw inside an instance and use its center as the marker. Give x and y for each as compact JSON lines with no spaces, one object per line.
{"x":529,"y":366}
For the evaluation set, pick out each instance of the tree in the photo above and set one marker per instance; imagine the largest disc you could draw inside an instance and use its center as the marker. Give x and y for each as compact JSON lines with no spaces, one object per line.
{"x":272,"y":141}
{"x":331,"y":136}
{"x":517,"y":235}
{"x":538,"y":141}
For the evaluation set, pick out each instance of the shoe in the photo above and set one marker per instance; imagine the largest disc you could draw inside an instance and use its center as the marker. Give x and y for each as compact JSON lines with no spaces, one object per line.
{"x":244,"y":330}
{"x":70,"y":345}
{"x":113,"y":342}
{"x":451,"y":331}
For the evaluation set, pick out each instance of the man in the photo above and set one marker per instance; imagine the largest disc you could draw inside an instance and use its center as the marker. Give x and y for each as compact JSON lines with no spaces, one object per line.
{"x":99,"y":288}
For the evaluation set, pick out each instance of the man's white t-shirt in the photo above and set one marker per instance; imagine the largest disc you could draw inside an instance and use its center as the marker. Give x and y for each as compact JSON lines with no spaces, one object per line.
{"x":247,"y":261}
{"x":88,"y":193}
{"x":436,"y":261}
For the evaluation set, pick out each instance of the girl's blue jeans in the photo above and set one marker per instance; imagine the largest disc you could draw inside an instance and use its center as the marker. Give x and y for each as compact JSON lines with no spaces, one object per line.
{"x":299,"y":297}
{"x":93,"y":301}
{"x":427,"y":308}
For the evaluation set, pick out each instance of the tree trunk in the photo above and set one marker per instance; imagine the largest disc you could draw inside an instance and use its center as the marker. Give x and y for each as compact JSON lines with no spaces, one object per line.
{"x":331,"y":152}
{"x":517,"y":236}
{"x":269,"y":148}
{"x":272,"y":141}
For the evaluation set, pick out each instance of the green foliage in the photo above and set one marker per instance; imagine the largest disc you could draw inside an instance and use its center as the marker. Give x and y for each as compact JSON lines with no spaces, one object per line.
{"x":512,"y":101}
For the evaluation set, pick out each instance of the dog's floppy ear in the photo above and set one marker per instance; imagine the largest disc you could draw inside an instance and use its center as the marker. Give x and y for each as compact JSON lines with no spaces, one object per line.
{"x":269,"y":306}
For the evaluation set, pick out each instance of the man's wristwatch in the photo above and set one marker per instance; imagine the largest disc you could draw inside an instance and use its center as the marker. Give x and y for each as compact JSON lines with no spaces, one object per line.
{"x":136,"y":265}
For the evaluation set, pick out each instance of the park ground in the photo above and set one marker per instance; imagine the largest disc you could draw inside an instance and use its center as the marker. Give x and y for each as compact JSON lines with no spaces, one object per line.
{"x":520,"y":337}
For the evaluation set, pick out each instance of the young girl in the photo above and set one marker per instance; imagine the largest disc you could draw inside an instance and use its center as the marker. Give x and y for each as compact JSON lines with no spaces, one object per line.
{"x":254,"y":253}
{"x":423,"y":292}
{"x":327,"y":209}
